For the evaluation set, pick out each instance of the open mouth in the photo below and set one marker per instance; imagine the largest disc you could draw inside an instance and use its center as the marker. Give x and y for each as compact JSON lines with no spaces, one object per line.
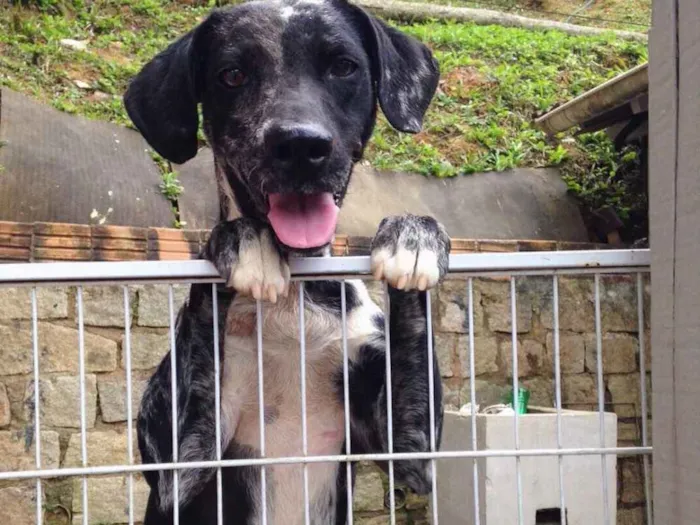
{"x":303,"y":221}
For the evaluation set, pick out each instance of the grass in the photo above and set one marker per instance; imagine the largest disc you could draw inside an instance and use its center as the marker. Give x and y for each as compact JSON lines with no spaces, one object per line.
{"x":495,"y":81}
{"x":630,"y":15}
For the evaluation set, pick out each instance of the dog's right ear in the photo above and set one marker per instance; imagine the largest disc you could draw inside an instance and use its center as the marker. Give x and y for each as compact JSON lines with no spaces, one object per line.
{"x":162,"y":100}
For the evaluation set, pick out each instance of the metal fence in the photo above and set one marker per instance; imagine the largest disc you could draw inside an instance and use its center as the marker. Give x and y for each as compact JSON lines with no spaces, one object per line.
{"x":590,"y":265}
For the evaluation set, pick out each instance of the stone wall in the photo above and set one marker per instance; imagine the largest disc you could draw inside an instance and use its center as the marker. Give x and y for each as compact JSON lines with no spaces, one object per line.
{"x":106,"y":412}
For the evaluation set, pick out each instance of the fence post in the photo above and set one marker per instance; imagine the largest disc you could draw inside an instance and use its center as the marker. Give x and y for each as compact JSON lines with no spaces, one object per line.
{"x":674,"y":188}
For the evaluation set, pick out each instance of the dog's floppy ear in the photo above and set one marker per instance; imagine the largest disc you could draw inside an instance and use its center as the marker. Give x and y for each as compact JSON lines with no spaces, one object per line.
{"x":405,"y":71}
{"x":162,"y":101}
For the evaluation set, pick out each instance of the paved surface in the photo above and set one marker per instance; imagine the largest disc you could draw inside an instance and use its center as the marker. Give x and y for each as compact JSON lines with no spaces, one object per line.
{"x":62,"y":168}
{"x":519,"y":204}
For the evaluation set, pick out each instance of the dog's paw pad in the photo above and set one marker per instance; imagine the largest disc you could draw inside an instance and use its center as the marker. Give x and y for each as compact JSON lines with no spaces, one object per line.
{"x":260,"y":271}
{"x":406,"y":269}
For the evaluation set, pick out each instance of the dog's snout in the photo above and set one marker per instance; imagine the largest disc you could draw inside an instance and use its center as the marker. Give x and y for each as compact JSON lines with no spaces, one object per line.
{"x":302,"y":146}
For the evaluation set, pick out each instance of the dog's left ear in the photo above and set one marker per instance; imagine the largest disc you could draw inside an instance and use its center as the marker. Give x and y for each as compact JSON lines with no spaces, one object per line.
{"x":405,"y":72}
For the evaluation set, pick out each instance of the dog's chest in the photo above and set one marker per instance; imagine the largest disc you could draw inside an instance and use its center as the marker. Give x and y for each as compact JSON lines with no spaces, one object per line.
{"x":282,"y":394}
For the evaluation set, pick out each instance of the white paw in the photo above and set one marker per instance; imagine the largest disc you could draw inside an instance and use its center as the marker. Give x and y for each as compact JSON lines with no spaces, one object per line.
{"x":406,"y":269}
{"x":260,"y":272}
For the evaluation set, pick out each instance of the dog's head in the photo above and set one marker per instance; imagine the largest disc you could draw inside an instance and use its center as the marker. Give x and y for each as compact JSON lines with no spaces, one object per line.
{"x":288,"y":91}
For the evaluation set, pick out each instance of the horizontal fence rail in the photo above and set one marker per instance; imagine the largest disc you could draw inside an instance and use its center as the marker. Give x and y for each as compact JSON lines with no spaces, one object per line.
{"x":322,"y":267}
{"x":590,"y":265}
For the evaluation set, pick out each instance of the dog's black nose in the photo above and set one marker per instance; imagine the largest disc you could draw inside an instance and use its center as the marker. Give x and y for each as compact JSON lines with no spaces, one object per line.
{"x":301,"y":146}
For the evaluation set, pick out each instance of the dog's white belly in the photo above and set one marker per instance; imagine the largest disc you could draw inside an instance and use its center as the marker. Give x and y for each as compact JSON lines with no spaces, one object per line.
{"x":325,"y":425}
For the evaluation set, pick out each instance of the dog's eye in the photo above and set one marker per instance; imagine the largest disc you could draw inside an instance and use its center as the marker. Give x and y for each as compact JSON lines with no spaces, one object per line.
{"x":343,"y":67}
{"x":233,"y":78}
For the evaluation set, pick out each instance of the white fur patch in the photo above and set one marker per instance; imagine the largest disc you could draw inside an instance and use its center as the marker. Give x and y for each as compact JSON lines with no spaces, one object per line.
{"x":260,"y":272}
{"x":282,"y":391}
{"x":406,"y":269}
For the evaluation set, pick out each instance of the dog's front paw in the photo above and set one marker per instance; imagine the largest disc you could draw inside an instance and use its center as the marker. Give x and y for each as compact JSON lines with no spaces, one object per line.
{"x":410,"y":252}
{"x":247,"y":256}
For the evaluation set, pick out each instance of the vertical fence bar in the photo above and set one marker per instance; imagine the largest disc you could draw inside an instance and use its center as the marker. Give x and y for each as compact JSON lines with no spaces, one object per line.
{"x":557,"y":393}
{"x":346,"y":397}
{"x":217,"y":403}
{"x":601,"y":397}
{"x":173,"y":396}
{"x":83,"y":419}
{"x":389,"y":406}
{"x":431,"y":401}
{"x":129,"y":394}
{"x":37,"y":409}
{"x":261,"y":409}
{"x":516,"y":396}
{"x":643,"y":391}
{"x":304,"y":436}
{"x":472,"y":391}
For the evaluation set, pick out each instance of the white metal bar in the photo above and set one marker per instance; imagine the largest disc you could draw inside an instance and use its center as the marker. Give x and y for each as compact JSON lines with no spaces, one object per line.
{"x":472,"y":391}
{"x":83,"y":417}
{"x":325,"y":267}
{"x":173,"y":406}
{"x":37,"y":408}
{"x":643,"y":389}
{"x":346,"y":397}
{"x":431,"y":401}
{"x":304,"y":436}
{"x":601,"y":397}
{"x":557,"y":390}
{"x":129,"y":399}
{"x":337,"y":458}
{"x":217,"y":402}
{"x":389,"y":406}
{"x":261,"y":410}
{"x":516,"y":397}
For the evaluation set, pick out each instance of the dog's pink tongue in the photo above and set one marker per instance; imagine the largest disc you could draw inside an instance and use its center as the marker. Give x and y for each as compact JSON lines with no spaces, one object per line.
{"x":303,"y":221}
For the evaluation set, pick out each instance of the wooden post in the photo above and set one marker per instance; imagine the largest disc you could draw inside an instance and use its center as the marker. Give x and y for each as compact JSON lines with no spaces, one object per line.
{"x":674,"y":181}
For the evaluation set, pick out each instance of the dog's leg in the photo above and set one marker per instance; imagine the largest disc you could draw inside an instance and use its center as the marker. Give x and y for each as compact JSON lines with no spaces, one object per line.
{"x":411,"y":254}
{"x":243,"y":251}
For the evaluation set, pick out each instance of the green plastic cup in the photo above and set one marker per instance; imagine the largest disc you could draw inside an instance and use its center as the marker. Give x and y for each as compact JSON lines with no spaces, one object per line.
{"x":523,"y":400}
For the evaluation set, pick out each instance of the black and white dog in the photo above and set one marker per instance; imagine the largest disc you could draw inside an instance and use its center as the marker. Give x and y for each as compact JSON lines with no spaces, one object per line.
{"x":289,"y":92}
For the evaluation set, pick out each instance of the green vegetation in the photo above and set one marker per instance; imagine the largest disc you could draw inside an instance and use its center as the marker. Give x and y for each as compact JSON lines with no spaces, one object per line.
{"x":495,"y":81}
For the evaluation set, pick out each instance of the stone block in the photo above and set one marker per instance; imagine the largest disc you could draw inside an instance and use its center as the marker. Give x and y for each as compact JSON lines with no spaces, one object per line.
{"x":633,"y":516}
{"x":531,"y":355}
{"x":625,"y":394}
{"x":104,"y":305}
{"x":453,"y":308}
{"x":632,"y":473}
{"x":104,"y":448}
{"x":115,"y":507}
{"x":113,"y":397}
{"x":485,"y":355}
{"x":153,"y":309}
{"x":147,"y":350}
{"x":619,"y":353}
{"x":368,"y":494}
{"x":618,"y":303}
{"x":487,"y":393}
{"x":541,"y":391}
{"x":5,"y":412}
{"x":576,"y":308}
{"x":17,"y":450}
{"x":579,"y":390}
{"x":60,"y":401}
{"x":445,"y":347}
{"x":572,"y":353}
{"x":499,"y":318}
{"x":16,"y":303}
{"x":58,"y":349}
{"x":18,"y":505}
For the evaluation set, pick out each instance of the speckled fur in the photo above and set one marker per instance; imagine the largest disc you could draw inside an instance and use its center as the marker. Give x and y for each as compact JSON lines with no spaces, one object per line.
{"x":283,"y":41}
